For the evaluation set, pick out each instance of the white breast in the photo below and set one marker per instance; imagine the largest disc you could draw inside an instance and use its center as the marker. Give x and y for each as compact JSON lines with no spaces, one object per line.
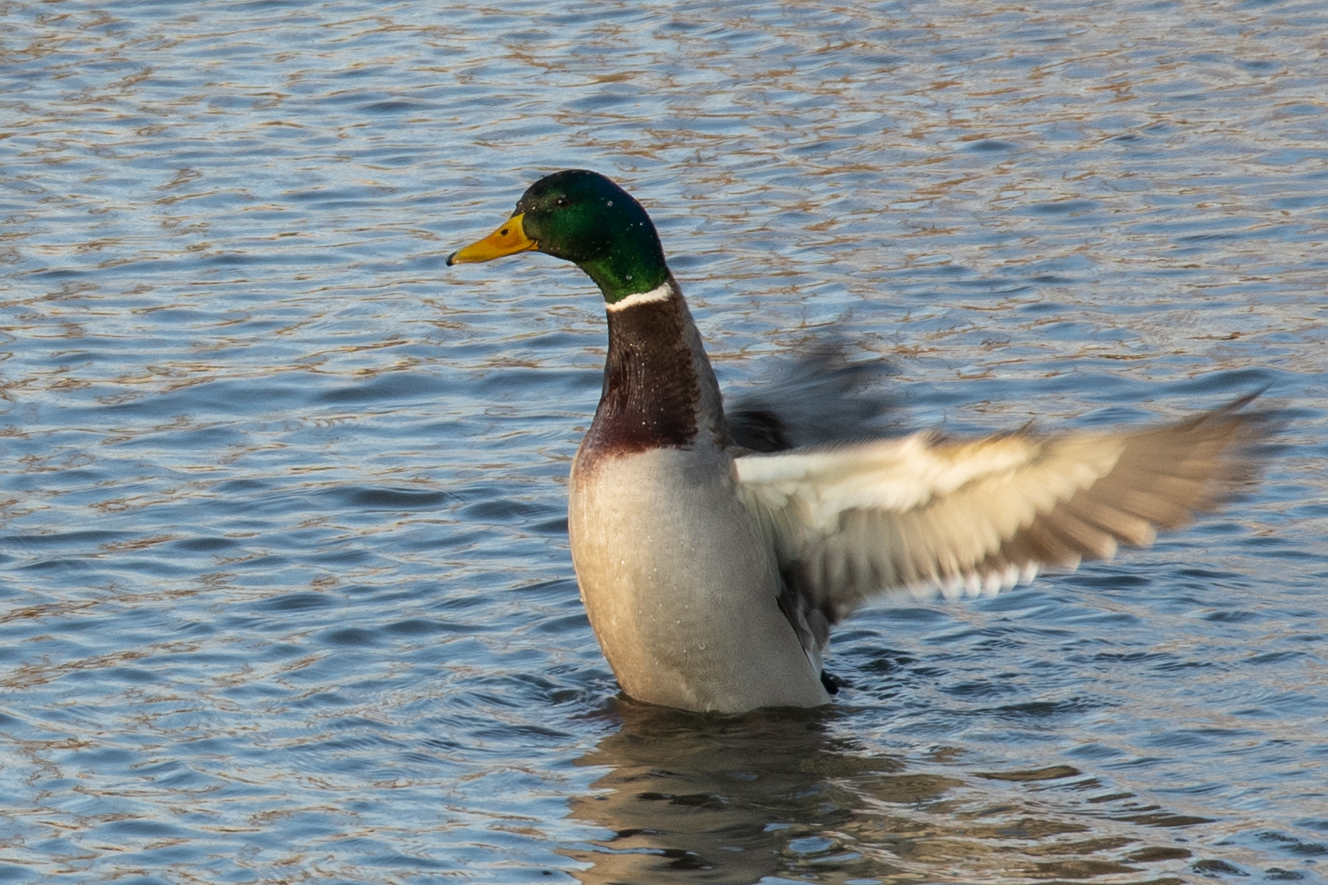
{"x":680,"y":585}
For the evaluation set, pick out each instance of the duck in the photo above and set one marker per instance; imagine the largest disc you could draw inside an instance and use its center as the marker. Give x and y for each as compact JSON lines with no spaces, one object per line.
{"x":713,"y":559}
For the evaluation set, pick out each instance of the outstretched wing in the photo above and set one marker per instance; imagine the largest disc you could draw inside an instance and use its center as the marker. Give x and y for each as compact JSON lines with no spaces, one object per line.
{"x":924,"y":512}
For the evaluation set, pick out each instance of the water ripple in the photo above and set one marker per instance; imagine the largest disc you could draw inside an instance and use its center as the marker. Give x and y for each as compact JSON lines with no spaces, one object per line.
{"x":285,"y":586}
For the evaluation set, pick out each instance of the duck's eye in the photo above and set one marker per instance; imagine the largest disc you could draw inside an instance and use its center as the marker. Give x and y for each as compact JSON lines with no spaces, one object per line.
{"x":562,"y":202}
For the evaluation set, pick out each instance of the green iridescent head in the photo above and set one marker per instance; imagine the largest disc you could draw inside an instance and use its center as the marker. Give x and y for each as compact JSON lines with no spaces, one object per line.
{"x":584,"y":218}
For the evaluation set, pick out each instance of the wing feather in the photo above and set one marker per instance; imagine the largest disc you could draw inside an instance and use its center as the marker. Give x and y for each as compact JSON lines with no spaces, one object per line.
{"x":922,"y":512}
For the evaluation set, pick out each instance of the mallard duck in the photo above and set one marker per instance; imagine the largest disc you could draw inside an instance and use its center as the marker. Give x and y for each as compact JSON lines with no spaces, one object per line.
{"x":712,"y":573}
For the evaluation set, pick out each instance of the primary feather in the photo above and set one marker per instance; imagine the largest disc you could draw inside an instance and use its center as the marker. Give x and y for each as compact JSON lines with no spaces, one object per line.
{"x":925,"y":513}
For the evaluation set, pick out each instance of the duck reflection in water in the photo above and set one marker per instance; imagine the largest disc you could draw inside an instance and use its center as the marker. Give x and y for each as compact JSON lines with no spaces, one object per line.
{"x":701,"y":798}
{"x":732,"y":799}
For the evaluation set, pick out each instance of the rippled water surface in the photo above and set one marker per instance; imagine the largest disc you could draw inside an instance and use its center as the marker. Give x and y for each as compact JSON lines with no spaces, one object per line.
{"x":285,"y":592}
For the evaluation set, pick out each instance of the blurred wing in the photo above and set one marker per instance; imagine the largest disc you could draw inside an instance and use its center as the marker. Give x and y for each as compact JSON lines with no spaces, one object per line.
{"x":820,"y":396}
{"x":923,"y":513}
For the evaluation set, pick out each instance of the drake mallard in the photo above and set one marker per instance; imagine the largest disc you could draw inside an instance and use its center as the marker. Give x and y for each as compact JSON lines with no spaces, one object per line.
{"x":712,"y":573}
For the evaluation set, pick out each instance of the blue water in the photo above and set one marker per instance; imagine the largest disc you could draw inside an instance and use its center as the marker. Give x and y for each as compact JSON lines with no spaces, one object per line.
{"x":285,"y":593}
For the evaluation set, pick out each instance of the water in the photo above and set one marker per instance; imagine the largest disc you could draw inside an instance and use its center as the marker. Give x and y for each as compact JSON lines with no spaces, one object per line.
{"x":285,"y":593}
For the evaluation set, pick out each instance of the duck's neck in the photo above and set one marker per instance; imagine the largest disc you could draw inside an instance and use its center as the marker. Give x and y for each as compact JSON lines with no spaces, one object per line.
{"x":659,"y":390}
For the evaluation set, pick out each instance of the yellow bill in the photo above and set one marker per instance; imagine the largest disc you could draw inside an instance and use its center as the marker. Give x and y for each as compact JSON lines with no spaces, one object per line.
{"x":508,"y":239}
